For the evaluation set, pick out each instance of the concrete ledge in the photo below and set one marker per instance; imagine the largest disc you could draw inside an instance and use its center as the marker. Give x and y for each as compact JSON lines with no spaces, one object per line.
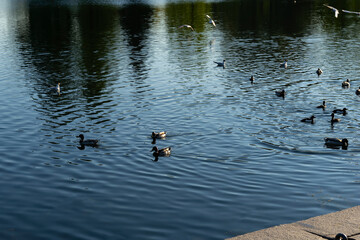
{"x":317,"y":228}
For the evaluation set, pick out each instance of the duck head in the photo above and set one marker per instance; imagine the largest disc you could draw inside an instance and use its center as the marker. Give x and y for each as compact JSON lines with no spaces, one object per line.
{"x":81,"y":137}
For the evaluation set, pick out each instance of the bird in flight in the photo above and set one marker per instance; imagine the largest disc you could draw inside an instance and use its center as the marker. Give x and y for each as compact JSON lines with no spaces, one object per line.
{"x":346,"y":11}
{"x":210,"y":20}
{"x":187,"y":26}
{"x":334,"y":9}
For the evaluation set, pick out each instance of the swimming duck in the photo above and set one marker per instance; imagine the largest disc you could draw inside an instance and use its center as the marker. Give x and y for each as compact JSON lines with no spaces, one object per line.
{"x":164,"y":152}
{"x":56,"y":88}
{"x":309,"y":120}
{"x":187,"y":26}
{"x":284,"y":64}
{"x":252,"y":79}
{"x":357,"y":92}
{"x":342,"y":111}
{"x":211,"y":21}
{"x":220,"y":64}
{"x":323,"y":106}
{"x":336,"y":12}
{"x":319,"y":72}
{"x":336,"y":142}
{"x":87,"y":142}
{"x":346,"y":83}
{"x":158,"y":135}
{"x":280,"y":93}
{"x":334,"y":120}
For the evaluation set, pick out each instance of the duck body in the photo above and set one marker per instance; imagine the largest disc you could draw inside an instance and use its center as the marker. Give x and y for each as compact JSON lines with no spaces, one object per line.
{"x":342,"y":111}
{"x":56,"y":88}
{"x":221,"y":64}
{"x":336,"y":142}
{"x":284,"y":64}
{"x":252,"y":79}
{"x":280,"y":93}
{"x":87,"y":142}
{"x":158,"y":135}
{"x":164,"y":152}
{"x":319,"y":72}
{"x":357,"y":92}
{"x":308,"y":120}
{"x":323,"y":106}
{"x":333,"y":119}
{"x":346,"y":83}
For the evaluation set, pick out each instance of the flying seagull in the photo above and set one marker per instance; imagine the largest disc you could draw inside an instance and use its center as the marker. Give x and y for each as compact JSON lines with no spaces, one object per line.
{"x":346,"y":11}
{"x":186,"y":25}
{"x":211,"y":21}
{"x":334,"y":9}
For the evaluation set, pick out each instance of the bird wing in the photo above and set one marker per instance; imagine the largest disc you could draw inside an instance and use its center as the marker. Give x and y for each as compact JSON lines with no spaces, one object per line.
{"x":330,"y":7}
{"x":186,"y":25}
{"x":351,"y":12}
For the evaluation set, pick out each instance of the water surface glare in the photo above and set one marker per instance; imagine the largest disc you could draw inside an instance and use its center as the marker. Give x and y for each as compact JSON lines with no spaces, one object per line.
{"x":241,"y":159}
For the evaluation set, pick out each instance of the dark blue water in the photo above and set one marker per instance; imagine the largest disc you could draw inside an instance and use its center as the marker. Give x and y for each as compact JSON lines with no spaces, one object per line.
{"x":241,"y":159}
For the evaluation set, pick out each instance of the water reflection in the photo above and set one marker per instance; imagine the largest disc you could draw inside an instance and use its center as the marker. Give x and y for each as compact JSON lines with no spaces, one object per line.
{"x":128,"y":68}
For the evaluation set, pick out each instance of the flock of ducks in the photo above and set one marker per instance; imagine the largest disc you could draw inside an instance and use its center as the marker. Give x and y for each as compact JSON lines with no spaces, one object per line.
{"x":329,"y":142}
{"x":165,"y":152}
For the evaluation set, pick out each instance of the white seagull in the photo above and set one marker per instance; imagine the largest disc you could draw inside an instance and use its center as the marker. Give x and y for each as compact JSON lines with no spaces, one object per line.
{"x":334,"y":9}
{"x":211,"y":21}
{"x":187,"y":26}
{"x":346,"y":11}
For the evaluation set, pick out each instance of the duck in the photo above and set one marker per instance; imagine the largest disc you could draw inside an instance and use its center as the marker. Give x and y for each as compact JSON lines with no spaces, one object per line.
{"x":87,"y":142}
{"x":323,"y":106}
{"x":309,"y":120}
{"x":334,"y":120}
{"x":342,"y":111}
{"x":336,"y":142}
{"x":346,"y":83}
{"x":211,"y":21}
{"x":158,"y":135}
{"x":56,"y":88}
{"x":319,"y":72}
{"x":336,"y":12}
{"x":284,"y":64}
{"x":252,"y":79}
{"x":164,"y":152}
{"x":280,"y":93}
{"x":187,"y":26}
{"x":221,"y":64}
{"x":357,"y":92}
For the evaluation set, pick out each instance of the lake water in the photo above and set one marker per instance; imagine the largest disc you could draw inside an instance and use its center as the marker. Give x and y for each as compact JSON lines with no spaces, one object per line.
{"x":241,"y":159}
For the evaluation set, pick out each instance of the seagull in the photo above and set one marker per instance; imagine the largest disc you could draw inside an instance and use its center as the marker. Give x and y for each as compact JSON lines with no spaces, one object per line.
{"x":188,"y":26}
{"x":334,"y":9}
{"x":346,"y":11}
{"x":221,"y":64}
{"x":210,"y":20}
